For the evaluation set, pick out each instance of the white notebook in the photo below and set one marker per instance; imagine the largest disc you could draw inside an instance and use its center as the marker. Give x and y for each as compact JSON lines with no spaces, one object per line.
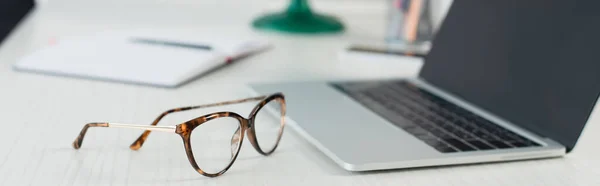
{"x":165,"y":59}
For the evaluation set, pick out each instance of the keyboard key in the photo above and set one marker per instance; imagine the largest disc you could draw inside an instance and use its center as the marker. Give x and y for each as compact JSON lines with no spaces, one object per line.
{"x":480,"y":145}
{"x":439,"y":145}
{"x":525,"y":140}
{"x":445,"y":149}
{"x":441,"y":134}
{"x":483,"y":135}
{"x":519,"y":144}
{"x":498,"y":144}
{"x":429,"y":127}
{"x":506,"y":136}
{"x":431,"y":140}
{"x":447,"y":127}
{"x":460,"y":145}
{"x":431,"y":117}
{"x":410,"y":116}
{"x":465,"y":136}
{"x":470,"y":128}
{"x":524,"y":144}
{"x":462,"y":124}
{"x":420,"y":133}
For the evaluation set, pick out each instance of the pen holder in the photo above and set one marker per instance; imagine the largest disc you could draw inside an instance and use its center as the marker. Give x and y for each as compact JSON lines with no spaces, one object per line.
{"x":409,"y":22}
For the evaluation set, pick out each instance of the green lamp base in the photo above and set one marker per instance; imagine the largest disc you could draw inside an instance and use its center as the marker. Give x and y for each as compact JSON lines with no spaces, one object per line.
{"x":299,"y":22}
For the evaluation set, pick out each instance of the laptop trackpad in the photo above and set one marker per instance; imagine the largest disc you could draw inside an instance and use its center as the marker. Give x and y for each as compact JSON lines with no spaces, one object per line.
{"x":345,"y":129}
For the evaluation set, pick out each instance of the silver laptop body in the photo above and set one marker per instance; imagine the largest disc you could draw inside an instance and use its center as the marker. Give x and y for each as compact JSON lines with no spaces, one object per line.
{"x":358,"y":139}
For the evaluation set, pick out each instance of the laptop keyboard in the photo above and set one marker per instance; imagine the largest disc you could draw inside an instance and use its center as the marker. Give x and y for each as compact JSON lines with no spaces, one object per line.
{"x":433,"y":120}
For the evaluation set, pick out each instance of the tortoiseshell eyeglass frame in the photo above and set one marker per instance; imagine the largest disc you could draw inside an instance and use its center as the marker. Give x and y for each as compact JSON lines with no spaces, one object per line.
{"x":185,"y":129}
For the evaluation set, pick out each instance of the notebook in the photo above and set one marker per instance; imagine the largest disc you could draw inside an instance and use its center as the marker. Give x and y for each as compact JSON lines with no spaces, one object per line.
{"x":156,"y":58}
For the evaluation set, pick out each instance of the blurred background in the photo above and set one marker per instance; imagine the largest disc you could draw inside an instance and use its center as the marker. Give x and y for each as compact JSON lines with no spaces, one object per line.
{"x":308,"y":40}
{"x":370,"y":25}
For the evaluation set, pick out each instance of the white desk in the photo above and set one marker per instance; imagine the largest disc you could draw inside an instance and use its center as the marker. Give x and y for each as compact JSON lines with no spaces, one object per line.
{"x":52,"y":110}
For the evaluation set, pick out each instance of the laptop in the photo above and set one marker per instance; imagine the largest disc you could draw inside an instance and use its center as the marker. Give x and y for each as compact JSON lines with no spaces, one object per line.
{"x":11,"y":12}
{"x":504,"y":80}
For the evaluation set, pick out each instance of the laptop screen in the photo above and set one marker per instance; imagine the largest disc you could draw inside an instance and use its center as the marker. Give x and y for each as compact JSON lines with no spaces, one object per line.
{"x":11,"y":12}
{"x":533,"y":63}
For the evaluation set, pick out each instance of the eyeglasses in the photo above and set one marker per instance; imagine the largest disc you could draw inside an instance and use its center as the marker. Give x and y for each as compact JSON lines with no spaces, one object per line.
{"x":215,"y":139}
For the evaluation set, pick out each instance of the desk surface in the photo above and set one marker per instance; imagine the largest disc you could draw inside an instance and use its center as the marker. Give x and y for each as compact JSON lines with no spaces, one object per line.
{"x":51,"y":110}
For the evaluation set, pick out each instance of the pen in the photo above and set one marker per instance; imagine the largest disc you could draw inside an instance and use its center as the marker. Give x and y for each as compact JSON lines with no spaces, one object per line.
{"x":377,"y":50}
{"x":171,"y":43}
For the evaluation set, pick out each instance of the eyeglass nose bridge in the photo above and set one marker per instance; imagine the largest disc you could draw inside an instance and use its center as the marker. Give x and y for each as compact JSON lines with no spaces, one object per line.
{"x":235,"y":141}
{"x":235,"y":138}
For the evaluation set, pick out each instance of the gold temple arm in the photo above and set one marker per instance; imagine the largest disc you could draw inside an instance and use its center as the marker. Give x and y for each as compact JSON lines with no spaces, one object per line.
{"x":79,"y":140}
{"x":137,"y":144}
{"x":143,"y":127}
